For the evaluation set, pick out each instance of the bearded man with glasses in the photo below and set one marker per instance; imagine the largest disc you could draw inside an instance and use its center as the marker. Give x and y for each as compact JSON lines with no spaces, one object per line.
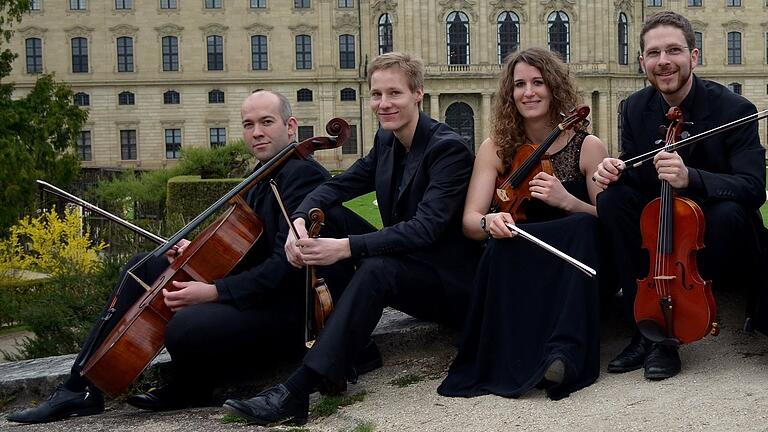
{"x":723,"y":174}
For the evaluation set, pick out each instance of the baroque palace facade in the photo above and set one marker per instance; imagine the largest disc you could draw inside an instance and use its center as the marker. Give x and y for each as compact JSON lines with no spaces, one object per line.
{"x":159,"y":75}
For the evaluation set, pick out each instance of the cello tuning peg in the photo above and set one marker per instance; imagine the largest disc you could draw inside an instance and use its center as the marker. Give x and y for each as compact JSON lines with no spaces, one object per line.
{"x":659,"y":142}
{"x":685,"y":134}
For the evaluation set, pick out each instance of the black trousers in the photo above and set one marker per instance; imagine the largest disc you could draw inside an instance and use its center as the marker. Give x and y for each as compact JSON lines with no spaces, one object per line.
{"x":403,"y":282}
{"x":209,"y":343}
{"x":730,"y":258}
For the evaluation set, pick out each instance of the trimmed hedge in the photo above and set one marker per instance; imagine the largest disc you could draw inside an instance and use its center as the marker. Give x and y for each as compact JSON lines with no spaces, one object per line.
{"x":188,"y":196}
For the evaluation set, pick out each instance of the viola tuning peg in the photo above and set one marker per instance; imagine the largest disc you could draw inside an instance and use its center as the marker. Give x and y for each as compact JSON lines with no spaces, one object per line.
{"x":585,"y":123}
{"x":659,"y":142}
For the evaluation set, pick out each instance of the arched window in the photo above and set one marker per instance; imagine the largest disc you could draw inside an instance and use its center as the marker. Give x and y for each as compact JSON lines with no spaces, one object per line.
{"x":558,"y":34}
{"x":348,"y":94}
{"x":125,"y":54}
{"x":385,"y":34}
{"x":508,"y":26}
{"x":461,"y":118}
{"x":734,"y":48}
{"x":457,"y":31}
{"x":735,"y":87}
{"x":171,"y":97}
{"x":215,"y":96}
{"x":304,"y":95}
{"x":126,"y":98}
{"x":82,"y":99}
{"x":699,"y":42}
{"x":623,"y":39}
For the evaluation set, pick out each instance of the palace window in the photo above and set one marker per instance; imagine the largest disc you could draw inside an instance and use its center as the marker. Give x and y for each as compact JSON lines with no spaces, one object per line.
{"x":698,"y":38}
{"x":82,"y":99}
{"x":213,"y":4}
{"x":170,"y":53}
{"x":508,"y":28}
{"x":301,"y":4}
{"x":215,"y":53}
{"x":303,"y":52}
{"x":346,"y":51}
{"x":79,"y":55}
{"x":305,"y":132}
{"x":623,"y":39}
{"x":215,"y":96}
{"x":168,"y":4}
{"x":258,"y":4}
{"x":734,"y":48}
{"x":348,"y":94}
{"x":123,"y":4}
{"x":304,"y":95}
{"x":385,"y":34}
{"x":558,"y":35}
{"x":126,"y":98}
{"x":171,"y":97}
{"x":457,"y":32}
{"x":34,"y":50}
{"x":125,"y":54}
{"x":77,"y":5}
{"x":83,"y":145}
{"x":350,"y":146}
{"x":259,"y":52}
{"x":218,"y":137}
{"x":172,"y":143}
{"x":128,"y":144}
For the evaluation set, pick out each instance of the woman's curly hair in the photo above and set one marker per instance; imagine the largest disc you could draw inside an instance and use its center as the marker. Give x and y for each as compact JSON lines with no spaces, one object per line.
{"x":507,"y":129}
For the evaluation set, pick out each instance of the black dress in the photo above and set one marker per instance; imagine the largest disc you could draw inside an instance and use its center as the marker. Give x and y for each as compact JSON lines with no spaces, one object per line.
{"x":530,"y":308}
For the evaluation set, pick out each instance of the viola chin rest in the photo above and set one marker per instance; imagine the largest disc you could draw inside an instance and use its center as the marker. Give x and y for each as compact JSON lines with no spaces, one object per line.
{"x":652,"y":331}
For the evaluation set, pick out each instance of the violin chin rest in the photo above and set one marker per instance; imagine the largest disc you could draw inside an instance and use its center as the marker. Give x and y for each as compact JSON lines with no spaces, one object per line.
{"x":652,"y":331}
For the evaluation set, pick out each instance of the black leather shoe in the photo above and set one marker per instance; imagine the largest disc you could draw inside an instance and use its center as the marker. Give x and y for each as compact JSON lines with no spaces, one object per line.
{"x":632,"y":357}
{"x":662,"y":362}
{"x":61,"y":404}
{"x":274,"y":406}
{"x":166,"y":398}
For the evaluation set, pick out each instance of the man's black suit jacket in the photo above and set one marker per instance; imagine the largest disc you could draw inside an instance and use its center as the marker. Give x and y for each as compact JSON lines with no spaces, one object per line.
{"x":423,"y":220}
{"x":727,"y":166}
{"x":268,"y":277}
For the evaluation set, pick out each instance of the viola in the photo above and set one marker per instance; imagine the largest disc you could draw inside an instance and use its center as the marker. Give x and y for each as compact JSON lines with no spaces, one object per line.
{"x":319,"y":297}
{"x":139,"y":335}
{"x":673,"y":305}
{"x":512,"y":192}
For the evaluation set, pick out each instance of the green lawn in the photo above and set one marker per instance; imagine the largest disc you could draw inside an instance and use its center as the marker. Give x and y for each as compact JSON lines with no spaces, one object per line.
{"x":363,"y":205}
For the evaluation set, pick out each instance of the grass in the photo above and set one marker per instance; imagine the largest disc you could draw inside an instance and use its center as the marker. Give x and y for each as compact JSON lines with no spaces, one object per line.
{"x":363,"y":206}
{"x":365,"y":427}
{"x":406,"y":380}
{"x":231,"y":418}
{"x":764,"y":212}
{"x":330,"y":404}
{"x":13,"y":329}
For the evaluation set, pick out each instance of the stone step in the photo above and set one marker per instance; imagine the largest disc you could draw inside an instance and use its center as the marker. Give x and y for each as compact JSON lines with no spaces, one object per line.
{"x":37,"y":378}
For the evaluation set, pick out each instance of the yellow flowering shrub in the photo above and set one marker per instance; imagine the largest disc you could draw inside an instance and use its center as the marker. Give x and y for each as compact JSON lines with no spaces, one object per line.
{"x":49,"y":243}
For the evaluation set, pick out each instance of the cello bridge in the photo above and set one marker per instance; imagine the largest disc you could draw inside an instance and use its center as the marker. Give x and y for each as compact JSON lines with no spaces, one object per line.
{"x":664,"y":277}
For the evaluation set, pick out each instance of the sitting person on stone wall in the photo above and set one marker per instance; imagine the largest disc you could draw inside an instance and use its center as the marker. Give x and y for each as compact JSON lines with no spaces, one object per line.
{"x":242,"y":322}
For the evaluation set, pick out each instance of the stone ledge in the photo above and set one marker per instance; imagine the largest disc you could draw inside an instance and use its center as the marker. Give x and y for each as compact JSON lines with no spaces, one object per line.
{"x":36,"y":378}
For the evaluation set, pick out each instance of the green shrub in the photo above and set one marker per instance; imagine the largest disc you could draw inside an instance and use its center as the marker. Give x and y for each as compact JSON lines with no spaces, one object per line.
{"x":61,"y":310}
{"x":13,"y":295}
{"x":229,"y":161}
{"x":188,"y":196}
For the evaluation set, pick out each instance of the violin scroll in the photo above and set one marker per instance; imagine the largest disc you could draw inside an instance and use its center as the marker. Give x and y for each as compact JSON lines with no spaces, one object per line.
{"x":335,"y":126}
{"x":577,"y":118}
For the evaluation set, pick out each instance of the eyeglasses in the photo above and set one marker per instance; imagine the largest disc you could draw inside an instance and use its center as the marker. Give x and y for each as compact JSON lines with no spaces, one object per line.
{"x":670,"y":52}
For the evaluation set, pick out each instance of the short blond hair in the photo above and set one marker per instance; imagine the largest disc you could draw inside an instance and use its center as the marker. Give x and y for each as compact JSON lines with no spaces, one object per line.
{"x":411,"y":65}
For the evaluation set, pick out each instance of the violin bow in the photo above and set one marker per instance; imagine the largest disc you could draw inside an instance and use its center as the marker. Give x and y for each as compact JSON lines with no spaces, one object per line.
{"x":639,"y":160}
{"x":589,"y":271}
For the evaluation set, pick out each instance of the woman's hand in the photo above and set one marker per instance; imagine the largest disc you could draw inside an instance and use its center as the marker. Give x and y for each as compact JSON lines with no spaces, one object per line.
{"x":548,"y":188}
{"x":496,"y":225}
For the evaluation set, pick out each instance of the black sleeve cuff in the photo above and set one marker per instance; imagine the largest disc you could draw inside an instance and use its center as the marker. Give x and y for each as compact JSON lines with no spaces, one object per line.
{"x":357,"y":246}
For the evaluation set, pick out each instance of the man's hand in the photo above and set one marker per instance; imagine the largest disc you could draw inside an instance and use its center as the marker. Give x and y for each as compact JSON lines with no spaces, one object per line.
{"x":608,"y":172}
{"x":292,"y":251}
{"x":671,"y":168}
{"x":176,"y":250}
{"x":324,"y":251}
{"x":189,"y":293}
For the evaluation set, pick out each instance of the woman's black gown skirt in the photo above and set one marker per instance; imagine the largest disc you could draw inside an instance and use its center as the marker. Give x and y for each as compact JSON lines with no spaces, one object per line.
{"x":528,"y":309}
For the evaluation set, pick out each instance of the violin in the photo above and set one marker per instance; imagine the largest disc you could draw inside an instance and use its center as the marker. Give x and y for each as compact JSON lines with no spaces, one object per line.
{"x":673,"y":305}
{"x":512,"y":192}
{"x":316,"y":288}
{"x":139,"y":335}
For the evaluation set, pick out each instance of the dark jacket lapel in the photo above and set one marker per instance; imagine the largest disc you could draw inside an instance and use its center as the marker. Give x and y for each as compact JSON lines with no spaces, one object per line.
{"x":416,"y":153}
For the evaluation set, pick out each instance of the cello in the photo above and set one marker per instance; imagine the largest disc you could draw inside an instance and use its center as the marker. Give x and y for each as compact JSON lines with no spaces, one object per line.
{"x":673,"y":305}
{"x":137,"y":337}
{"x":512,"y":193}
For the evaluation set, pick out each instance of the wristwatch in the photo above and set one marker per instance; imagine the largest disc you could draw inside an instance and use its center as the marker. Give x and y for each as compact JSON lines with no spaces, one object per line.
{"x":483,"y":224}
